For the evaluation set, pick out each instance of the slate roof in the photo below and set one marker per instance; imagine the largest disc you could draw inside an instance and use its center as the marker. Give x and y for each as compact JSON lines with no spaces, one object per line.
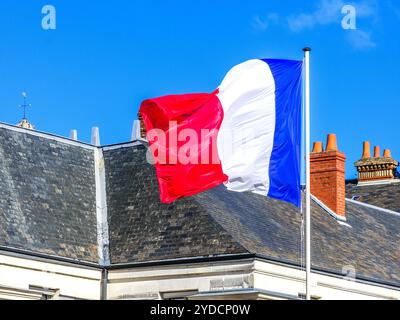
{"x":219,"y":221}
{"x":48,"y":205}
{"x":272,"y":228}
{"x":47,"y":196}
{"x":142,"y":228}
{"x":385,"y":196}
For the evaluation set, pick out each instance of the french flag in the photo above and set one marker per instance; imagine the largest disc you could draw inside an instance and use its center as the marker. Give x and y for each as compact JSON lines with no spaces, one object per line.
{"x":246,"y":134}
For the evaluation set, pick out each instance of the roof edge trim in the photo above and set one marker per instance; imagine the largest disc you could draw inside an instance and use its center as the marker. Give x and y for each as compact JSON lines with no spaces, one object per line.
{"x":49,"y":258}
{"x":333,"y":214}
{"x":222,"y":257}
{"x":77,"y":143}
{"x":103,"y":239}
{"x":121,"y":145}
{"x":47,"y":135}
{"x":373,"y":207}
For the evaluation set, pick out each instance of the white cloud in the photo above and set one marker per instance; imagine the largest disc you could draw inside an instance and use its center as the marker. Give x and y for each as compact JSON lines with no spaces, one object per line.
{"x":367,"y":8}
{"x":394,"y":9}
{"x":262,"y":24}
{"x":259,"y":24}
{"x":273,"y":17}
{"x":301,"y":21}
{"x":360,"y":39}
{"x":329,"y":12}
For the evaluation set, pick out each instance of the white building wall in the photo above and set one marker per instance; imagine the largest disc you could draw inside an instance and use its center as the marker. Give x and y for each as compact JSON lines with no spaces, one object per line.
{"x":247,"y":278}
{"x":139,"y":283}
{"x":270,"y":279}
{"x":21,"y":274}
{"x":290,"y":280}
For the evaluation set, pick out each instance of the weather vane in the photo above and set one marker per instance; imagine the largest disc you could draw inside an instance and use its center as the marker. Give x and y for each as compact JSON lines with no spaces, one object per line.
{"x":24,"y":105}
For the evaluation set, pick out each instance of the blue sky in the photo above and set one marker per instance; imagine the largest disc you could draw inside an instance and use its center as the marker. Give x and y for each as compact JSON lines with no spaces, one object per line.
{"x":104,"y":58}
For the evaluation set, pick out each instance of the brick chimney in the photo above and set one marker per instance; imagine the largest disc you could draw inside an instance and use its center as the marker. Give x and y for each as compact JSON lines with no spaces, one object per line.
{"x":377,"y":169}
{"x":328,"y":175}
{"x":142,"y":127}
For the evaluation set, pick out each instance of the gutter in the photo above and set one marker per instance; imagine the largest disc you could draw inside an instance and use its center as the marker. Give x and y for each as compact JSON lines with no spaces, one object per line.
{"x":44,"y":257}
{"x":216,"y":258}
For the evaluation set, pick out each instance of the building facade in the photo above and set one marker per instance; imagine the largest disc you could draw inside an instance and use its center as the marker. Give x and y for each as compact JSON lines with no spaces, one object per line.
{"x":81,"y":221}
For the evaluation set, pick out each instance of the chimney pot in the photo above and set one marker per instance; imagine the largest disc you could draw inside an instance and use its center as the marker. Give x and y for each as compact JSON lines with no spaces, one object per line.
{"x":387,"y":153}
{"x":318,"y":147}
{"x":136,"y":131}
{"x":366,"y":150}
{"x":377,"y":169}
{"x":73,"y":135}
{"x":95,"y":137}
{"x":331,"y":144}
{"x":377,"y":152}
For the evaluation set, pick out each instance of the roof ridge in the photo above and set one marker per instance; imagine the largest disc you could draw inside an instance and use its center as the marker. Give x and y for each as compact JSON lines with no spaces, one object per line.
{"x":47,"y":135}
{"x":373,"y":207}
{"x":62,"y":139}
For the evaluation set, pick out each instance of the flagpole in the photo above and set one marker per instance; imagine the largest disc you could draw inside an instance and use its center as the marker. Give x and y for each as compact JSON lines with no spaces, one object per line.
{"x":308,"y":187}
